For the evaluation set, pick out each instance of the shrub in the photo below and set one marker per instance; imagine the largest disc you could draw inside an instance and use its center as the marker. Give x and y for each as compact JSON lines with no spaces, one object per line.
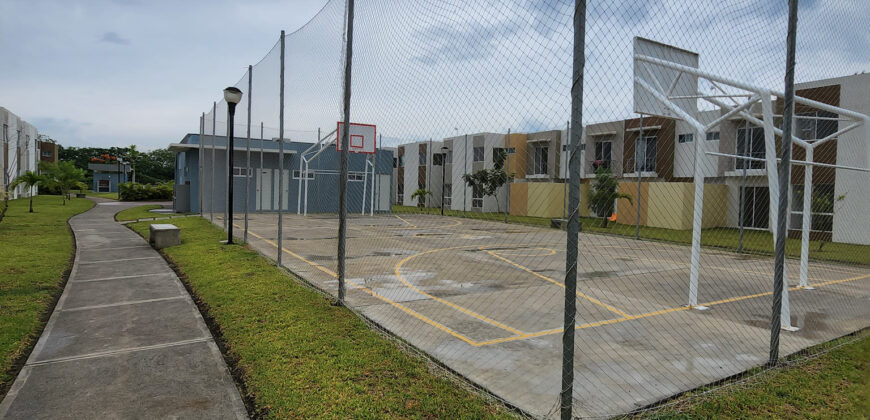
{"x":139,"y":192}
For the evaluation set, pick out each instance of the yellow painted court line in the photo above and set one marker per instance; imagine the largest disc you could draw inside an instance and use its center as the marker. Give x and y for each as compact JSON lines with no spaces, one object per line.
{"x":539,"y":275}
{"x":551,"y":252}
{"x":664,"y":311}
{"x":445,"y":302}
{"x":371,"y":292}
{"x":409,"y":223}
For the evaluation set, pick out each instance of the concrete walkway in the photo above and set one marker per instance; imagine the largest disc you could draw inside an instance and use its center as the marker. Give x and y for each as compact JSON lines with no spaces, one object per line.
{"x":125,"y":340}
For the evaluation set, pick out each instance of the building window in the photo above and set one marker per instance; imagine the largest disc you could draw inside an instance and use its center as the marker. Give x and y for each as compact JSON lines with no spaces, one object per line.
{"x":751,"y":145}
{"x":477,"y":154}
{"x":237,"y":171}
{"x":438,"y":159}
{"x":603,"y":151}
{"x":448,"y":193}
{"x":309,"y":174}
{"x":421,"y":156}
{"x":821,"y":207}
{"x":756,"y":207}
{"x":400,"y":193}
{"x":448,"y":157}
{"x":816,"y":125}
{"x":685,"y":138}
{"x":497,"y":153}
{"x":646,"y":154}
{"x":46,"y":153}
{"x":395,"y":162}
{"x":401,"y":161}
{"x":356,"y":176}
{"x":540,"y":160}
{"x":477,"y":198}
{"x":712,"y":136}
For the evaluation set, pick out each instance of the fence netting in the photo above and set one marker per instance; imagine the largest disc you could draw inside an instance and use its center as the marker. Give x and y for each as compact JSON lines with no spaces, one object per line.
{"x":458,"y":185}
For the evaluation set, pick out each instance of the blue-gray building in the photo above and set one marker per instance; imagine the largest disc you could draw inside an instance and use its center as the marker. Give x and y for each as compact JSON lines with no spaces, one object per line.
{"x":107,"y":175}
{"x":262,"y":175}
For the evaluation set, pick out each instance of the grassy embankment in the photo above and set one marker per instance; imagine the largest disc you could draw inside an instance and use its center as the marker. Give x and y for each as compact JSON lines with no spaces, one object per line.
{"x":36,"y":249}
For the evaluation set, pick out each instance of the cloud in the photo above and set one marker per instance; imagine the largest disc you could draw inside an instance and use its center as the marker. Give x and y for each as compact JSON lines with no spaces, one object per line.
{"x":114,"y":38}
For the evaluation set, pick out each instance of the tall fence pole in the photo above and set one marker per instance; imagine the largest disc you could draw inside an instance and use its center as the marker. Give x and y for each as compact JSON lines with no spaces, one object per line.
{"x":637,"y":169}
{"x":260,"y":184}
{"x":213,"y":161}
{"x":342,"y":177}
{"x":565,"y":181}
{"x":567,"y":390}
{"x":248,"y":155}
{"x":507,"y":200}
{"x":281,"y":159}
{"x":784,"y":175}
{"x":201,"y":157}
{"x":741,"y":211}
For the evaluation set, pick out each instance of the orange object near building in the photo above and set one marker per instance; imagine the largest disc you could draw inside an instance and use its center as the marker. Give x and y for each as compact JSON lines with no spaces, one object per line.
{"x":613,"y":217}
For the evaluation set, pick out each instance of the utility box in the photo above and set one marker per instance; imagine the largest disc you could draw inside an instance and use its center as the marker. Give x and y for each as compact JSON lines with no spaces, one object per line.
{"x":164,"y":235}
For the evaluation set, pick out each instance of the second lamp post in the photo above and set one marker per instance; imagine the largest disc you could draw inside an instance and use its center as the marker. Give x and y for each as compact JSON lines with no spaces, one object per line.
{"x":233,"y":96}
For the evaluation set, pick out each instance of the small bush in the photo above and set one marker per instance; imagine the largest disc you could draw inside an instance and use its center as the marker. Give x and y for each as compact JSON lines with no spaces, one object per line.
{"x":140,"y":192}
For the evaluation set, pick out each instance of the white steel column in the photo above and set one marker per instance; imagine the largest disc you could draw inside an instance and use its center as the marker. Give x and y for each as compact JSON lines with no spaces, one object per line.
{"x":773,"y":185}
{"x":806,"y":218}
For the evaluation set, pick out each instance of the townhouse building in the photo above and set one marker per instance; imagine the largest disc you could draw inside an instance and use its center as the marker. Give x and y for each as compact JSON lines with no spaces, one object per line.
{"x":19,"y":151}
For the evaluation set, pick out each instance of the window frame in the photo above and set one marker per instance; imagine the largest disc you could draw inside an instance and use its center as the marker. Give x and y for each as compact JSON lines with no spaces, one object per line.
{"x":474,"y":157}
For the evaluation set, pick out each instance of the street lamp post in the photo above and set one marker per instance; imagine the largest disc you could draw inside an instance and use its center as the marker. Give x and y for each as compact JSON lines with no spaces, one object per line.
{"x":444,"y":150}
{"x":233,"y":96}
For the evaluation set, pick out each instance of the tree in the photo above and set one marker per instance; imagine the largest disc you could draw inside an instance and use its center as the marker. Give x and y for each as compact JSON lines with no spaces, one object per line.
{"x":604,"y":194}
{"x":420,"y":195}
{"x":30,"y":179}
{"x":489,"y":181}
{"x":64,"y":176}
{"x":133,"y":156}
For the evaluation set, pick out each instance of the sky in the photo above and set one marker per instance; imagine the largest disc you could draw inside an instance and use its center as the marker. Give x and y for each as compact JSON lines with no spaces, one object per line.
{"x":120,"y":72}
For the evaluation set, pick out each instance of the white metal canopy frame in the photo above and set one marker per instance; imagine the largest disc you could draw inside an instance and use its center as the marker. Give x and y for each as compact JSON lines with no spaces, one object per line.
{"x":313,"y":152}
{"x":666,"y":84}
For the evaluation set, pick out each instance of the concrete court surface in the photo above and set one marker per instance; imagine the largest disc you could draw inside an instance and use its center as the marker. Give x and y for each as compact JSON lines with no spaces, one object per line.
{"x":125,"y":339}
{"x":486,"y":299}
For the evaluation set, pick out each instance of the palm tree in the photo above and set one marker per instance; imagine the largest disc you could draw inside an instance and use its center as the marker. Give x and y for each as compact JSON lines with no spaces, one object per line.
{"x":30,"y":179}
{"x":604,"y":194}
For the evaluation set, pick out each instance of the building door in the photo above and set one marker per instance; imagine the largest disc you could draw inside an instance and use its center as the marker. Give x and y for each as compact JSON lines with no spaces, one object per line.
{"x":103,"y":185}
{"x":264,"y":189}
{"x":756,"y":208}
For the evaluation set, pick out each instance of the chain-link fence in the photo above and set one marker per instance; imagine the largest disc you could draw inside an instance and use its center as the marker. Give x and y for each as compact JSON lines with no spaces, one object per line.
{"x":513,"y":168}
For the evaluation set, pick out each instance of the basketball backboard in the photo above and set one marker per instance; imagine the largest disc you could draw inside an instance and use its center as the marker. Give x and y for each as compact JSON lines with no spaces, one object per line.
{"x":363,"y":138}
{"x":664,"y":79}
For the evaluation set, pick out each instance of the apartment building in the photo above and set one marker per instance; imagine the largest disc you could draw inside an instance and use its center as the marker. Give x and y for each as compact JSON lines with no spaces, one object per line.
{"x":19,"y":151}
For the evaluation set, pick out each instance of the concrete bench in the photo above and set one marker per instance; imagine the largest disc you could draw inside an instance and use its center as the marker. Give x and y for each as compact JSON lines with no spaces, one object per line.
{"x":164,"y":235}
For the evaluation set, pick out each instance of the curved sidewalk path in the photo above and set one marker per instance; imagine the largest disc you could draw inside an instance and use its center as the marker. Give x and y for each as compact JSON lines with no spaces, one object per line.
{"x":125,"y":340}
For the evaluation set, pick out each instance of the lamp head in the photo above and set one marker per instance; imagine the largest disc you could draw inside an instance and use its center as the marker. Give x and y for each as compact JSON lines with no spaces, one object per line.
{"x":232,"y":95}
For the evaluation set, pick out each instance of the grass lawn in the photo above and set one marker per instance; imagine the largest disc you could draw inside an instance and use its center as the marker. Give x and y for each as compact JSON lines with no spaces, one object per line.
{"x":754,"y":241}
{"x":142,"y":212}
{"x":297,"y":354}
{"x":107,"y":195}
{"x":35,"y":251}
{"x":833,"y":385}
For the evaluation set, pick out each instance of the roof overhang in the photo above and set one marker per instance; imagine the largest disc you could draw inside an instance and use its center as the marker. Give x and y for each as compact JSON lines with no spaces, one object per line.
{"x":183,"y":147}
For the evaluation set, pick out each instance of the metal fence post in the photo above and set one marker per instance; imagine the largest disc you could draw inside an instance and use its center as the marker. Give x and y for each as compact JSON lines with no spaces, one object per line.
{"x":281,"y":159}
{"x":213,"y":162}
{"x":741,"y":212}
{"x":248,"y":155}
{"x":637,"y":169}
{"x":201,"y":156}
{"x":784,"y":175}
{"x":342,"y":177}
{"x":567,"y":389}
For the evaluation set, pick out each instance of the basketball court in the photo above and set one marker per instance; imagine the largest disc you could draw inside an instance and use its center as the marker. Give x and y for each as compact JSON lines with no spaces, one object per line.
{"x":486,"y":299}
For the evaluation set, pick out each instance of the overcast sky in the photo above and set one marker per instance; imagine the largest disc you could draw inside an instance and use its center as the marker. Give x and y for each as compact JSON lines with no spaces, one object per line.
{"x":120,"y":72}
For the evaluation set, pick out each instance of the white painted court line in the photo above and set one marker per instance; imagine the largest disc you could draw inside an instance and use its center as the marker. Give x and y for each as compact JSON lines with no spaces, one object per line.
{"x":118,"y":351}
{"x":122,"y":277}
{"x":120,"y":259}
{"x":130,"y":302}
